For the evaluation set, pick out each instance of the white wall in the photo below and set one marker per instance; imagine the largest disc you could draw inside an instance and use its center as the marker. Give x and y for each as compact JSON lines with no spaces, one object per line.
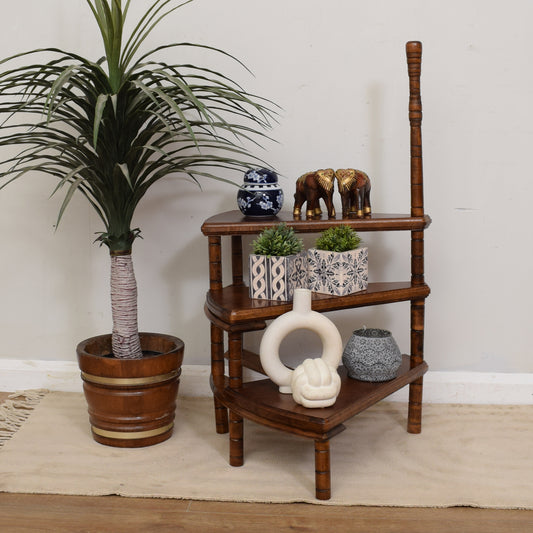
{"x":338,"y":70}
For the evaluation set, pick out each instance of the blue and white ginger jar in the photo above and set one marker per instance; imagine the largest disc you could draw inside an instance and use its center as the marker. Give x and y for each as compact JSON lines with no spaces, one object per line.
{"x":260,"y":195}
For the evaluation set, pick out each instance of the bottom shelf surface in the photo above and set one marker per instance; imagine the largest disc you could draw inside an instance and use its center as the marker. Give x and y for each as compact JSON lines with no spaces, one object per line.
{"x":262,"y":402}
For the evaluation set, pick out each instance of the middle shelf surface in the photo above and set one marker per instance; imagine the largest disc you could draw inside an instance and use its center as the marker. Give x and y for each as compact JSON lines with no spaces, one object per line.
{"x":233,"y":305}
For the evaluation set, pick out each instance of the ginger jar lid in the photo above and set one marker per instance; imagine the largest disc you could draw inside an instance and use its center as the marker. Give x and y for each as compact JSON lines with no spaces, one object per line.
{"x":260,"y":176}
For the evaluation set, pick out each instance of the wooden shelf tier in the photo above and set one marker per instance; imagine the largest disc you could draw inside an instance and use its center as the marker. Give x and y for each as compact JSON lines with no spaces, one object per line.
{"x":262,"y":402}
{"x":234,"y":223}
{"x":233,"y":305}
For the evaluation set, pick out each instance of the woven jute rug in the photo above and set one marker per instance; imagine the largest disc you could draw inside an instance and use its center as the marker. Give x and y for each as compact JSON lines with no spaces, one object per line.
{"x":466,"y":455}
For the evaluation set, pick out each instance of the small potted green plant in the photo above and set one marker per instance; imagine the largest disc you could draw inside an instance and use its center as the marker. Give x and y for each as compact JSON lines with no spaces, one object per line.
{"x":277,"y":264}
{"x":338,"y":264}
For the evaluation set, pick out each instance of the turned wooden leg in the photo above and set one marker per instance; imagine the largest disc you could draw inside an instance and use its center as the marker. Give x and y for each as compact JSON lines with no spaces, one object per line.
{"x":236,"y":440}
{"x":414,"y":417}
{"x":322,"y":470}
{"x":217,"y":373}
{"x":236,"y":259}
{"x":414,"y":420}
{"x":217,"y":335}
{"x":236,"y":447}
{"x":221,"y":418}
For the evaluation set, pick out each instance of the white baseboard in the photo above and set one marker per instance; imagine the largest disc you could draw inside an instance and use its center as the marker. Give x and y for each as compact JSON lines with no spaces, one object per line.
{"x":439,"y":387}
{"x":474,"y":388}
{"x":65,"y":376}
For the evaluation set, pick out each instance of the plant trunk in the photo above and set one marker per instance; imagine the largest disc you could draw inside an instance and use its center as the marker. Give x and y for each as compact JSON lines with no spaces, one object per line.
{"x":125,"y":342}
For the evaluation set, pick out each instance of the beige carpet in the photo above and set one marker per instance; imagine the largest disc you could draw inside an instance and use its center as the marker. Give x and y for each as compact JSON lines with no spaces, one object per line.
{"x":466,"y":455}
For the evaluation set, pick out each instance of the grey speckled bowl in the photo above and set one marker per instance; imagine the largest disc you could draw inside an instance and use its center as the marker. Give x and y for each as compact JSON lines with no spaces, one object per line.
{"x":372,"y":355}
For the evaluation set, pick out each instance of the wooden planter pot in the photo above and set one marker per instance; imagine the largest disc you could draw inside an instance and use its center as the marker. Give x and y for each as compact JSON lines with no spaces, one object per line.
{"x":275,"y":278}
{"x":132,"y":402}
{"x":338,"y":273}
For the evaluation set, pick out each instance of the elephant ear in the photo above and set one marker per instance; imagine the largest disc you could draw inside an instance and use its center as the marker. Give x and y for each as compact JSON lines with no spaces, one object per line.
{"x":345,"y":177}
{"x":326,"y":178}
{"x":345,"y":173}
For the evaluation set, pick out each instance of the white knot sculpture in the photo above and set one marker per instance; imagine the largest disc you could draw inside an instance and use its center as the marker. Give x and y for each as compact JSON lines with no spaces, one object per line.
{"x":314,"y":383}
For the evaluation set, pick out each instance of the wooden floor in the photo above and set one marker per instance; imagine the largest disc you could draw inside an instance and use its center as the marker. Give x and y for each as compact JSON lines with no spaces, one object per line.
{"x":112,"y":514}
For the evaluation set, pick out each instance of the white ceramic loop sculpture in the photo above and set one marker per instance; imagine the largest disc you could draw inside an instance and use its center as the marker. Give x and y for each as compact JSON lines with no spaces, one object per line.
{"x":315,"y":383}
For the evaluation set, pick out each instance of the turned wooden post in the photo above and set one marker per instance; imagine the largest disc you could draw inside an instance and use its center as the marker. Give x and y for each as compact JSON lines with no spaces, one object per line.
{"x":322,"y":470}
{"x":217,"y":335}
{"x":236,"y":259}
{"x":414,"y":62}
{"x":217,"y":374}
{"x":414,"y":423}
{"x":215,"y":263}
{"x":236,"y":427}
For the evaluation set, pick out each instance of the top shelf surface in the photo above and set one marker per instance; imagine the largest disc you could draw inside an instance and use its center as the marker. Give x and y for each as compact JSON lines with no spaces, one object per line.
{"x":235,"y":223}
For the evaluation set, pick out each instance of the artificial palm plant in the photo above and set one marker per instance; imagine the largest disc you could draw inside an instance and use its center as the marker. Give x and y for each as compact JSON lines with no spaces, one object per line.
{"x":111,"y":128}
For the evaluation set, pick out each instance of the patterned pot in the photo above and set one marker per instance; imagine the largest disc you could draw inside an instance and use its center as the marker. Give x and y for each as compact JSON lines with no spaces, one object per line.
{"x":338,"y":273}
{"x":276,"y":277}
{"x":260,"y":196}
{"x":372,"y":355}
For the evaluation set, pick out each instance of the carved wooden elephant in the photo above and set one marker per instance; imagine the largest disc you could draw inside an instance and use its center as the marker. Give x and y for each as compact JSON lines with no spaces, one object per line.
{"x":354,"y":188}
{"x":310,"y":188}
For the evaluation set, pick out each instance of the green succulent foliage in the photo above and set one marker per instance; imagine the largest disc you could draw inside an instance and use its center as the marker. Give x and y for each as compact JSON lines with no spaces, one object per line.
{"x":338,"y":239}
{"x":113,"y":127}
{"x":279,"y":240}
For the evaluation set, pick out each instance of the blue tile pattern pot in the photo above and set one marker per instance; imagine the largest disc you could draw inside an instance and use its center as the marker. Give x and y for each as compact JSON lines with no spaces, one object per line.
{"x":260,"y":195}
{"x":338,"y":273}
{"x":372,"y":355}
{"x":275,"y":278}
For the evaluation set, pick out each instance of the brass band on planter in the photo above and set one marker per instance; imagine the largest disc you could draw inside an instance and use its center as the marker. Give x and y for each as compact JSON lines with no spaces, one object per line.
{"x":128,"y":382}
{"x":130,"y":435}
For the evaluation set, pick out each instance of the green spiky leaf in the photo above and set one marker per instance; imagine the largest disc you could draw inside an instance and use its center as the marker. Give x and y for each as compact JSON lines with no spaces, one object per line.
{"x":112,"y":128}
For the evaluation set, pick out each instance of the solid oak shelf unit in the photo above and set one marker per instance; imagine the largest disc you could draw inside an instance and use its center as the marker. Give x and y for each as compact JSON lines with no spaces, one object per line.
{"x":232,"y":312}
